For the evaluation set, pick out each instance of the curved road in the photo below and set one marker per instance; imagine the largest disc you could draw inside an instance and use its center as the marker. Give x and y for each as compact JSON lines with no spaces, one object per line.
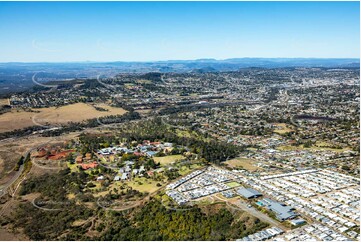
{"x":4,"y":187}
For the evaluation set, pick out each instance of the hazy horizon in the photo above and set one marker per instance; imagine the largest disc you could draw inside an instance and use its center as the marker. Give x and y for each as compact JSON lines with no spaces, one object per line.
{"x":160,"y":31}
{"x":186,"y":60}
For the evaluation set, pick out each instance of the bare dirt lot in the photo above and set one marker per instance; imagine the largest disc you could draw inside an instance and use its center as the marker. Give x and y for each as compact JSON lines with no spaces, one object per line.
{"x":18,"y":119}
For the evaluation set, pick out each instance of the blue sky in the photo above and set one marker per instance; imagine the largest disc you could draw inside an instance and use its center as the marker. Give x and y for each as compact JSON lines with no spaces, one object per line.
{"x":143,"y":31}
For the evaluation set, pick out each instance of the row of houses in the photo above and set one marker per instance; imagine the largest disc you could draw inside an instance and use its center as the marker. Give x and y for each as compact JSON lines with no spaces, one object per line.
{"x":203,"y":183}
{"x":205,"y":191}
{"x":184,"y":179}
{"x":263,"y":235}
{"x":126,"y":172}
{"x":146,"y":148}
{"x":314,"y":232}
{"x":228,"y":194}
{"x":177,"y":197}
{"x":336,"y":208}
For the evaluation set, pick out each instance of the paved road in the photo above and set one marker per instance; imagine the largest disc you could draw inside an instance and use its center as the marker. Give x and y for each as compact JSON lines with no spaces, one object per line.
{"x":258,"y":214}
{"x":239,"y":204}
{"x":4,"y":187}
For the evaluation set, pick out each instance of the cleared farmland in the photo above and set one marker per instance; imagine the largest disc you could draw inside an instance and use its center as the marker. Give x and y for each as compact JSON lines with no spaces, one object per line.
{"x":18,"y":119}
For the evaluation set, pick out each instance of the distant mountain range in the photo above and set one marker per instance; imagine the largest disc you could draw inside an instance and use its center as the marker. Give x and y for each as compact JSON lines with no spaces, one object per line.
{"x":188,"y":65}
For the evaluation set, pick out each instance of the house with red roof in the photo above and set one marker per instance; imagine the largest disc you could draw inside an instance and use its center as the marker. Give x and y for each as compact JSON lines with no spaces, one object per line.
{"x":87,"y":166}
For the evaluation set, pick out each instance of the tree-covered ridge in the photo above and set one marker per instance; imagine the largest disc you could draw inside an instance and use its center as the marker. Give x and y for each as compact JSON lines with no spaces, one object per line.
{"x":155,"y":222}
{"x":39,"y":224}
{"x":80,"y":218}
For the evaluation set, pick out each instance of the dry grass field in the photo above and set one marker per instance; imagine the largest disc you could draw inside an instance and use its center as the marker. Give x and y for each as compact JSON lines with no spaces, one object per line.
{"x":147,"y":185}
{"x":282,"y":128}
{"x":244,"y":163}
{"x":4,"y":101}
{"x":166,"y":160}
{"x":18,"y":119}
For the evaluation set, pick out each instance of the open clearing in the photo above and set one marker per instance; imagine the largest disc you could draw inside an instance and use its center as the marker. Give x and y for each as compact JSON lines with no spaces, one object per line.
{"x":244,"y":163}
{"x":166,"y":160}
{"x":233,"y":184}
{"x":143,"y":81}
{"x":18,"y":119}
{"x":147,"y":185}
{"x":4,"y":101}
{"x":184,"y":170}
{"x":282,"y":128}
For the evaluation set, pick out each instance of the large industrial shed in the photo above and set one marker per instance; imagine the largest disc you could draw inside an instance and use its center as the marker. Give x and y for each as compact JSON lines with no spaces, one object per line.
{"x":282,"y":211}
{"x":248,"y":193}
